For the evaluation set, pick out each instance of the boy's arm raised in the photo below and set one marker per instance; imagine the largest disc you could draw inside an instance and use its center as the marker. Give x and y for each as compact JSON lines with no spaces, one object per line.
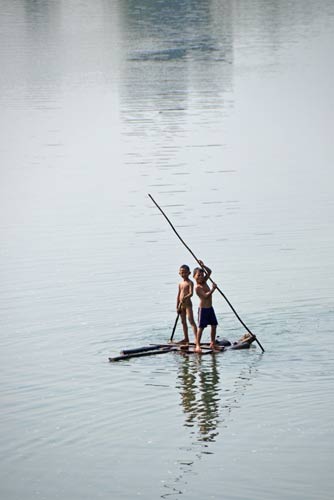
{"x":203,"y":294}
{"x":206,"y":269}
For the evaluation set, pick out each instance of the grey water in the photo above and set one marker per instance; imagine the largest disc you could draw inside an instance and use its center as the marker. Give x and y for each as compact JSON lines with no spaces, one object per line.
{"x":223,"y":111}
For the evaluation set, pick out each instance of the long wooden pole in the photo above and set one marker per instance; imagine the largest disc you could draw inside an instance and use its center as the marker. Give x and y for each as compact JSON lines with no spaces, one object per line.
{"x":192,"y":253}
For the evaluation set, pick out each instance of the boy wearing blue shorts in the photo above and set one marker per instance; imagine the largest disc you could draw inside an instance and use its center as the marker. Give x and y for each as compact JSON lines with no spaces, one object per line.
{"x":206,"y":313}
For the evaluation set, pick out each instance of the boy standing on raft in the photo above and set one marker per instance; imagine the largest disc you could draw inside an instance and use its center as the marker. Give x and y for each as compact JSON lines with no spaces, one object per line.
{"x":184,"y":305}
{"x":206,"y":313}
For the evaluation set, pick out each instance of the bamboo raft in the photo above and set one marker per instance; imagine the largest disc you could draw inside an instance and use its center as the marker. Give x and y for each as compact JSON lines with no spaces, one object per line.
{"x":185,"y":349}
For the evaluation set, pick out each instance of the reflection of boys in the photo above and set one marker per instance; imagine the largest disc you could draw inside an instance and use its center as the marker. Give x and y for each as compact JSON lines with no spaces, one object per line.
{"x":199,"y":389}
{"x":206,"y":313}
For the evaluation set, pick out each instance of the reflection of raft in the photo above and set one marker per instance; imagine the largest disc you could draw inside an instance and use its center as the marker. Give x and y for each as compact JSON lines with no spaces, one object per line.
{"x":221,"y":346}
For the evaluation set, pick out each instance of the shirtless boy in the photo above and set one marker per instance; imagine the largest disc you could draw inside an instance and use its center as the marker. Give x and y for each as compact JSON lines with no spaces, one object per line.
{"x":206,"y":313}
{"x":184,"y":305}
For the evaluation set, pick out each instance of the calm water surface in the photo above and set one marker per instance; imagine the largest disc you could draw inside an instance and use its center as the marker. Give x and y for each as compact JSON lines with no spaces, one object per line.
{"x":223,"y":111}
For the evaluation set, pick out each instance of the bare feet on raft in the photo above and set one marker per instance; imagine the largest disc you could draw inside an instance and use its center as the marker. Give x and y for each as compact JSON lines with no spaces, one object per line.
{"x":183,"y":342}
{"x":214,"y":346}
{"x":198,"y":349}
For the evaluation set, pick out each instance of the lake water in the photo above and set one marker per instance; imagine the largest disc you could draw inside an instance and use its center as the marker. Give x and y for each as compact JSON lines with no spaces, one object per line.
{"x":222,"y":111}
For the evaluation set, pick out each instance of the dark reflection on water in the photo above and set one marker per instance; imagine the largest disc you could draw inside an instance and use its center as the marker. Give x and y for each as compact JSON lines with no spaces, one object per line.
{"x":199,"y":390}
{"x":183,"y":23}
{"x":207,"y":401}
{"x":158,"y":75}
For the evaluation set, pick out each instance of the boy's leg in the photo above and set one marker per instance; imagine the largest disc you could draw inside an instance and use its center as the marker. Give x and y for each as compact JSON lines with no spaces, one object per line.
{"x":191,"y":320}
{"x":184,"y":326}
{"x":198,"y":339}
{"x":213,"y":335}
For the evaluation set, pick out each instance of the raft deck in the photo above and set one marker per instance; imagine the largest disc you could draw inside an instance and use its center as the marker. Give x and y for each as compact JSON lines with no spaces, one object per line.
{"x":185,"y":349}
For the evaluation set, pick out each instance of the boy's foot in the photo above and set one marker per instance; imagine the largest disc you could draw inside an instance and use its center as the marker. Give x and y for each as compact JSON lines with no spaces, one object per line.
{"x":216,"y":347}
{"x":198,"y":349}
{"x":183,"y":342}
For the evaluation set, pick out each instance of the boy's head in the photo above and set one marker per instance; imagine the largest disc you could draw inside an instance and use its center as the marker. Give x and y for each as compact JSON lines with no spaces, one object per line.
{"x":198,"y":274}
{"x":184,"y":271}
